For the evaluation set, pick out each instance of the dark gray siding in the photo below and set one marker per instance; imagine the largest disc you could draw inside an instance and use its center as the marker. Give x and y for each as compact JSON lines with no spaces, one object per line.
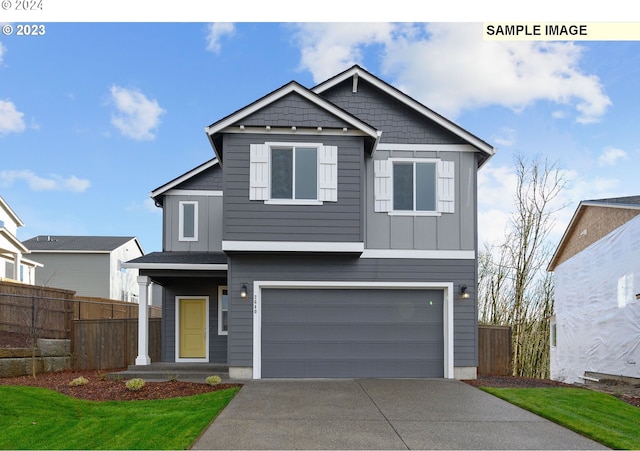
{"x":255,"y":221}
{"x":292,"y":110}
{"x":191,"y":287}
{"x":249,"y":267}
{"x":399,"y":123}
{"x":352,"y":333}
{"x":209,"y":180}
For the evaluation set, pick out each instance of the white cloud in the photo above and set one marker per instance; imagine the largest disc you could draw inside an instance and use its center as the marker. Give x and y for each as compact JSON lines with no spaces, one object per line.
{"x":38,"y":183}
{"x":11,"y":120}
{"x":137,"y":117}
{"x":215,"y":32}
{"x":450,"y":68}
{"x":329,"y":48}
{"x":3,"y":50}
{"x":610,"y":156}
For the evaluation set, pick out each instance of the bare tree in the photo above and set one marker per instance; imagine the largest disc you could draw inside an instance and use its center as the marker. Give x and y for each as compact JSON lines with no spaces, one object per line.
{"x":514,"y":288}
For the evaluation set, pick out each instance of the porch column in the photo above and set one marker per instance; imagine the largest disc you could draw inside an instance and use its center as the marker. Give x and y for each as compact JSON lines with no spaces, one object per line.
{"x":143,"y":321}
{"x":17,"y":261}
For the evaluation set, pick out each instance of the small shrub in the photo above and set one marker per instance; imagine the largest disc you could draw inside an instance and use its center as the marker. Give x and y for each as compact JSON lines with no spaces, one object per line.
{"x":213,"y":380}
{"x":102,"y":376}
{"x":135,"y":384}
{"x":173,"y":377}
{"x":79,"y":381}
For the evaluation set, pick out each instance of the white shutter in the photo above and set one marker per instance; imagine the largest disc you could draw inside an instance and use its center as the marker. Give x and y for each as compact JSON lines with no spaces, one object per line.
{"x":382,"y":185}
{"x":446,"y":187}
{"x":259,"y":172}
{"x":328,"y":173}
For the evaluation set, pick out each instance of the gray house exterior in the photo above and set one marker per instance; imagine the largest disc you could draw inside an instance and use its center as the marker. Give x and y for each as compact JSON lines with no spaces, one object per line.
{"x":334,"y":234}
{"x":89,"y":265}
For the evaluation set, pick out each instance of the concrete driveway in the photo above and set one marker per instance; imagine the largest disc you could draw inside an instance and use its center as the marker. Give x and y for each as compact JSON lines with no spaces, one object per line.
{"x":379,"y":414}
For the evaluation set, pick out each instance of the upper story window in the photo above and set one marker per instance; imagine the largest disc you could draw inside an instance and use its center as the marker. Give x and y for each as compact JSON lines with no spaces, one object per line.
{"x":188,"y":221}
{"x":293,"y":173}
{"x":414,"y":186}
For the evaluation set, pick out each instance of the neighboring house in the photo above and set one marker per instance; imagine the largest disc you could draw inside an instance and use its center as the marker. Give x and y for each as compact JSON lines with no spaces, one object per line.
{"x":13,"y":265}
{"x":334,"y":235}
{"x":89,"y":265}
{"x":596,"y":328}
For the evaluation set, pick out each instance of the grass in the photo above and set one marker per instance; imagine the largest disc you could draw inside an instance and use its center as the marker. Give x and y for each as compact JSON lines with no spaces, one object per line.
{"x":596,"y":415}
{"x":37,"y":418}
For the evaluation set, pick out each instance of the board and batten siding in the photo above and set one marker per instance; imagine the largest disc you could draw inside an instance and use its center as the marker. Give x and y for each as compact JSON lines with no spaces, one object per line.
{"x":209,"y":223}
{"x":247,"y":220}
{"x":447,"y":231}
{"x":246,"y":268}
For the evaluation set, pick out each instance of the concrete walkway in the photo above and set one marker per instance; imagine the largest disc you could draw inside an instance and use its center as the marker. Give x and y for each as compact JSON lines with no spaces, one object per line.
{"x":379,"y":414}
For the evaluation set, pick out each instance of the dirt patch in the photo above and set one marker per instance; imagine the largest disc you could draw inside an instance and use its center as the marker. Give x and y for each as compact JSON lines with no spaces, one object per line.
{"x":101,"y":388}
{"x":625,"y":392}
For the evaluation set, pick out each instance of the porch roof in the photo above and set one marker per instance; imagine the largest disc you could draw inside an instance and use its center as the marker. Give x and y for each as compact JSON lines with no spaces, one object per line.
{"x":216,"y":261}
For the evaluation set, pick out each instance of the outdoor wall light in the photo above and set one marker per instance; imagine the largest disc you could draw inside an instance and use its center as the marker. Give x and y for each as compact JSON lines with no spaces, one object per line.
{"x":243,"y":291}
{"x":464,"y":294}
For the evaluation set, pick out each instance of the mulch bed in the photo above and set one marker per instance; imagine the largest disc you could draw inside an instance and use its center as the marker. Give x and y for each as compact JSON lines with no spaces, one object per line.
{"x":101,"y":388}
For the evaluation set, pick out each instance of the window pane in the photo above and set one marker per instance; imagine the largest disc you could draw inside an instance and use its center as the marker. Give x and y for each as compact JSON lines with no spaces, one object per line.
{"x":425,"y":186}
{"x":224,"y":307}
{"x":306,"y":173}
{"x":403,"y":186}
{"x":188,"y":220}
{"x":281,"y":174}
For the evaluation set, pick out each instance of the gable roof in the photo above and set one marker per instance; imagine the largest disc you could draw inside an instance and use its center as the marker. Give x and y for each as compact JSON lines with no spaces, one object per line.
{"x":628,"y":203}
{"x":79,"y":244}
{"x":10,"y":212}
{"x":182,"y":178}
{"x":213,"y":131}
{"x":356,"y":72}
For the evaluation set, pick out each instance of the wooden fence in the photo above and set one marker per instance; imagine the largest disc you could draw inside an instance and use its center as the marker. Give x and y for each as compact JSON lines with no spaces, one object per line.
{"x":98,"y":308}
{"x":46,"y":312}
{"x":494,"y":350}
{"x":36,"y":311}
{"x":111,"y":343}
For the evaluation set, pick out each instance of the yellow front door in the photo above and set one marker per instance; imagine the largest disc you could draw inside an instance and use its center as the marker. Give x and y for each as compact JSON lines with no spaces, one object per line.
{"x":193,"y":328}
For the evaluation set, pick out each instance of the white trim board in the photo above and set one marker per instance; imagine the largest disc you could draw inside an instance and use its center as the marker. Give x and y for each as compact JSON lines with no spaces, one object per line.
{"x":292,"y":246}
{"x":259,"y":285}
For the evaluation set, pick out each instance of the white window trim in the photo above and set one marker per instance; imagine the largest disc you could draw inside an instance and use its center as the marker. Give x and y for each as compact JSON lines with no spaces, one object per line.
{"x":177,"y":329}
{"x":220,"y":290}
{"x":383,"y":187}
{"x":415,"y":212}
{"x":181,"y":236}
{"x":260,"y":176}
{"x":447,"y":313}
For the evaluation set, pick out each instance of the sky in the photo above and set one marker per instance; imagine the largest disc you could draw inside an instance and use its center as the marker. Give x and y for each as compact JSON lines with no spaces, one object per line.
{"x":95,"y":115}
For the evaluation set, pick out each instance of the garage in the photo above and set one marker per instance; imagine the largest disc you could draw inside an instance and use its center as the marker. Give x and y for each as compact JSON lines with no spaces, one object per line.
{"x":333,"y":333}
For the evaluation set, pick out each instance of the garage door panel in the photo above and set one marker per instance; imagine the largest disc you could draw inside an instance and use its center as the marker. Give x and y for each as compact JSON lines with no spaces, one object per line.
{"x":352,"y":333}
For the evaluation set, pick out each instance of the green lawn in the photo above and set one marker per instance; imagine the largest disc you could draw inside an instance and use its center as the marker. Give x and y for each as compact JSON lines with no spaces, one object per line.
{"x":37,"y":418}
{"x":596,"y":415}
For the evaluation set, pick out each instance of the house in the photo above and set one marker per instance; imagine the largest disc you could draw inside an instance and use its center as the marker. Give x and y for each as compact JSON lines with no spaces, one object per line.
{"x":89,"y":265}
{"x":596,"y":266}
{"x":13,"y":265}
{"x":332,"y":235}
